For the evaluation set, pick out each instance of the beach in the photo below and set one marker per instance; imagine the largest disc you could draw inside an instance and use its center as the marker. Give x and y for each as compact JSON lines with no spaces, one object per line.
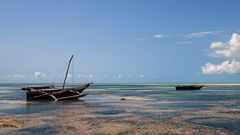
{"x":124,"y":67}
{"x":146,"y":109}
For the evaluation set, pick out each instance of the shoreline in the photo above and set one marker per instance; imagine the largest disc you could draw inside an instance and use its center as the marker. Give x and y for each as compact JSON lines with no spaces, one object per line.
{"x":125,"y":83}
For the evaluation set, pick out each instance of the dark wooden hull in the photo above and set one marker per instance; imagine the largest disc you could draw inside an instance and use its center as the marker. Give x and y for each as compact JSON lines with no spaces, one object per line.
{"x":59,"y":94}
{"x":189,"y":87}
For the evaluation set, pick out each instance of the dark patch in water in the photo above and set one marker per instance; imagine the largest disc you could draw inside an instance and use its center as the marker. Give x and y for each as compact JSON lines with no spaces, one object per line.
{"x":43,"y":130}
{"x":110,"y":112}
{"x":39,"y":107}
{"x":182,"y":106}
{"x":237,"y":105}
{"x":233,"y":125}
{"x":96,"y":104}
{"x":163,"y":117}
{"x":231,"y":112}
{"x":145,"y":114}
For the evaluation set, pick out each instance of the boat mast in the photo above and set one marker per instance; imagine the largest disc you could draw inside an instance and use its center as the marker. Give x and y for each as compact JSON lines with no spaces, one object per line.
{"x":67,"y":72}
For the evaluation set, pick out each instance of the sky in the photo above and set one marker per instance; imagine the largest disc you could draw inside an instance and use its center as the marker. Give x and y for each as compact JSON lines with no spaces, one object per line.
{"x":120,"y":41}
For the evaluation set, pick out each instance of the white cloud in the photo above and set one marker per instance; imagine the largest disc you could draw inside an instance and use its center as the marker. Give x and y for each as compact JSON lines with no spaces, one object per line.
{"x":90,"y":76}
{"x":158,"y":36}
{"x":69,"y":75}
{"x":15,"y":76}
{"x":55,"y":76}
{"x":119,"y":76}
{"x":204,"y":34}
{"x":227,"y":50}
{"x":39,"y":75}
{"x":141,"y":76}
{"x":225,"y":67}
{"x":230,"y":49}
{"x":81,"y":75}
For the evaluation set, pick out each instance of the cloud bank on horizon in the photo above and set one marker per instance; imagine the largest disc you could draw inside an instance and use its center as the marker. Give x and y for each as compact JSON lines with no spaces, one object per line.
{"x":230,"y":51}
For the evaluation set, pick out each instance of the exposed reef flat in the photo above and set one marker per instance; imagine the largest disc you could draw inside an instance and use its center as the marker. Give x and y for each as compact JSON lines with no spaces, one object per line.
{"x":133,"y":116}
{"x":11,"y":122}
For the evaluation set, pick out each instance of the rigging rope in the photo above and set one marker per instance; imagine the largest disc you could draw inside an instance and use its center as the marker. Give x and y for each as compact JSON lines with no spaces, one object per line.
{"x":57,"y":76}
{"x":72,"y":73}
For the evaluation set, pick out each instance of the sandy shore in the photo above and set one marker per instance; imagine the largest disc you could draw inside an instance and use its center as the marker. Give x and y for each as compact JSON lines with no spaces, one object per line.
{"x":11,"y":122}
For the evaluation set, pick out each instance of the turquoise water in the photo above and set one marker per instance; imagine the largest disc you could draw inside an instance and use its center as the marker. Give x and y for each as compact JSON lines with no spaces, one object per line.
{"x":160,"y":102}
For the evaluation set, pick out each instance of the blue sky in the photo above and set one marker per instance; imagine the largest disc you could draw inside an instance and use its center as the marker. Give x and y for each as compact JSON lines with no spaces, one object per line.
{"x":120,"y":40}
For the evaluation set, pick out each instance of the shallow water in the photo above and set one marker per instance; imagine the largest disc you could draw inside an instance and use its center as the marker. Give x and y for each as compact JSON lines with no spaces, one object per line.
{"x":215,"y":106}
{"x":232,"y":125}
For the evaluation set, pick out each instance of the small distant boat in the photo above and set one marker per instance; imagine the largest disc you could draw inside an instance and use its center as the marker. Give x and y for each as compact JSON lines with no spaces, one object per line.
{"x":189,"y":87}
{"x":52,"y":93}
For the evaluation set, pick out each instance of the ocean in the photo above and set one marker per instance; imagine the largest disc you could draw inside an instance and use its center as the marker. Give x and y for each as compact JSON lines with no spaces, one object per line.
{"x":146,"y":109}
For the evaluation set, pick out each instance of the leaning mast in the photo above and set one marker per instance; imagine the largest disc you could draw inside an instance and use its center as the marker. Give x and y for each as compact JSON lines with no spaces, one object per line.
{"x":67,"y":72}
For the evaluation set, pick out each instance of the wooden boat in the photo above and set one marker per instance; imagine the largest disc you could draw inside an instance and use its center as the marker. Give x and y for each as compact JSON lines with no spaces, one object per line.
{"x":51,"y":93}
{"x":189,"y":87}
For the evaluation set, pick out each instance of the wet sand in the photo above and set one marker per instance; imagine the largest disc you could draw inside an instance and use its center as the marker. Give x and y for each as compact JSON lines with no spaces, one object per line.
{"x":132,"y":116}
{"x":11,"y":122}
{"x":75,"y":121}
